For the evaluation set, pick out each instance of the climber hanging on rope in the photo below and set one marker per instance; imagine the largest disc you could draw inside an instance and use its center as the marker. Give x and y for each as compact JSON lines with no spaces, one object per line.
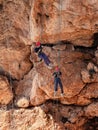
{"x":42,"y":55}
{"x":57,"y":81}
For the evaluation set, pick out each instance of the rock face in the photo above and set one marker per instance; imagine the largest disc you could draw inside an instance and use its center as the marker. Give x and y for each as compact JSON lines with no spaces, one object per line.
{"x":74,"y":25}
{"x":13,"y":32}
{"x":91,"y":110}
{"x":75,"y":21}
{"x":38,"y":84}
{"x":23,"y":119}
{"x":23,"y":102}
{"x":14,"y":62}
{"x":56,"y":117}
{"x":6,"y":94}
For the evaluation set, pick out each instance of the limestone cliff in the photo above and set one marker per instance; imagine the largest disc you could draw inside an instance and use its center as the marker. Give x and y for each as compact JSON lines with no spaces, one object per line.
{"x":68,"y":30}
{"x":73,"y":20}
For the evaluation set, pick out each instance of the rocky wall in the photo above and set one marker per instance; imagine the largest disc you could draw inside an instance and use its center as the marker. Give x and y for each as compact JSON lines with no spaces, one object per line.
{"x":69,"y":33}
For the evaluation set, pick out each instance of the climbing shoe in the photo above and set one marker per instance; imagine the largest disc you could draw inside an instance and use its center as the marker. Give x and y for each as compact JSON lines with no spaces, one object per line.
{"x":62,"y":94}
{"x":39,"y":59}
{"x":50,"y":66}
{"x":55,"y":93}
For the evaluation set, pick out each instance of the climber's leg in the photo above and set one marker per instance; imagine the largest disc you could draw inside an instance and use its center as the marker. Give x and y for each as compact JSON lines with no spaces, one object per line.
{"x":55,"y":86}
{"x":61,"y":86}
{"x":45,"y":58}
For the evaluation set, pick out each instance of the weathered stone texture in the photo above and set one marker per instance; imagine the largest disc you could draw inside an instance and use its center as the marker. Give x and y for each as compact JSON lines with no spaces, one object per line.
{"x":23,"y":22}
{"x":6,"y":94}
{"x":72,"y":20}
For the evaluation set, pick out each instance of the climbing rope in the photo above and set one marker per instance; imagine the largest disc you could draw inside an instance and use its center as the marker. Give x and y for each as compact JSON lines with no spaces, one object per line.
{"x":58,"y":57}
{"x":58,"y":60}
{"x":59,"y":29}
{"x":41,"y":21}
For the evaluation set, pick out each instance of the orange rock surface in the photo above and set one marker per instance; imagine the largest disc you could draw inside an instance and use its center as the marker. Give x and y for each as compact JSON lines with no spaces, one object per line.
{"x":75,"y":21}
{"x":68,"y":30}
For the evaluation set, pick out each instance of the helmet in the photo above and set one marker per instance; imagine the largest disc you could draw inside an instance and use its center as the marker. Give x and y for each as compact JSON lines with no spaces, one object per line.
{"x":57,"y":68}
{"x":38,"y":43}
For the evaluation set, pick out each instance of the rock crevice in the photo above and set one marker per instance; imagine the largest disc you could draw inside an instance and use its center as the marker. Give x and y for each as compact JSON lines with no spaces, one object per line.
{"x":68,"y":31}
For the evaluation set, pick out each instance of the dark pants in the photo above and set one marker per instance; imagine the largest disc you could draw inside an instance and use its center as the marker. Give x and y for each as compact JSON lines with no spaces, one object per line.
{"x":57,"y":82}
{"x":44,"y":57}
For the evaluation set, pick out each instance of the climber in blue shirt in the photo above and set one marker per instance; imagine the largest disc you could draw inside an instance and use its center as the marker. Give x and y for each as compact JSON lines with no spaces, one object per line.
{"x":42,"y":55}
